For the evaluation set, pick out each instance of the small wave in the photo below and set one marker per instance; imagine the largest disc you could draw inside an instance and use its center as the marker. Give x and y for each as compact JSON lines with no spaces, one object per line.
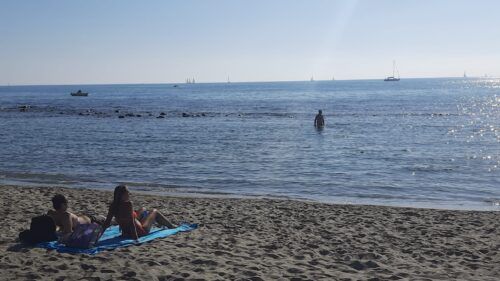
{"x":431,"y":168}
{"x":493,"y":202}
{"x":387,"y":197}
{"x":44,"y":178}
{"x":157,"y":187}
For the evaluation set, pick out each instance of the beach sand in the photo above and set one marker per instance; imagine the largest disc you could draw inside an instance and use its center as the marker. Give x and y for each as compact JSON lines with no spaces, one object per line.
{"x":262,"y":239}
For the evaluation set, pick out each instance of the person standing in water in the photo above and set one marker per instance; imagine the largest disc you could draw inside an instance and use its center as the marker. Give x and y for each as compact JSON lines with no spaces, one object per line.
{"x":319,"y":121}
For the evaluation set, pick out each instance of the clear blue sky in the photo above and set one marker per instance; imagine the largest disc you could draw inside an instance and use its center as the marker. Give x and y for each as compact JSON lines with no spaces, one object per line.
{"x":95,"y":41}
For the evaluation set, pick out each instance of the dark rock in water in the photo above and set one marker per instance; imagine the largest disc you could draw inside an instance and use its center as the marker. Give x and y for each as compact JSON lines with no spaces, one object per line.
{"x":129,"y":115}
{"x":80,"y":113}
{"x":203,"y":114}
{"x":161,"y":116}
{"x":185,"y":114}
{"x":117,"y":111}
{"x":61,"y":112}
{"x":150,"y":114}
{"x":138,"y":115}
{"x":163,"y":113}
{"x":121,"y":116}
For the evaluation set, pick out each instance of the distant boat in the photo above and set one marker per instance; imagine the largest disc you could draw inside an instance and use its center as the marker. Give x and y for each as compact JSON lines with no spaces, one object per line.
{"x":79,"y":93}
{"x":333,"y":78}
{"x":312,"y":79}
{"x":465,"y":75}
{"x":228,"y":81}
{"x":393,"y":77}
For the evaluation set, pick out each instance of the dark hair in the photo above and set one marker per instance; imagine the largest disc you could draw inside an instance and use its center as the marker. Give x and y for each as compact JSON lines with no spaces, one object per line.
{"x":58,"y":200}
{"x":117,"y":196}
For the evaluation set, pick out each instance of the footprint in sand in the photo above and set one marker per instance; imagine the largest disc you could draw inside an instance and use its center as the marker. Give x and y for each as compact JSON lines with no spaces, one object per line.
{"x":88,"y":267}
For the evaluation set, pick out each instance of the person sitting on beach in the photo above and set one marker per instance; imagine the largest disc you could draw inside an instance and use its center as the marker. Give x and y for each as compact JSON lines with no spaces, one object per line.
{"x":65,"y":221}
{"x":133,"y":224}
{"x":319,"y":121}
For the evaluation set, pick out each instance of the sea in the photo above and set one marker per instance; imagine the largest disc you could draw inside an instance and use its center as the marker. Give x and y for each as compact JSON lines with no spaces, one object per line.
{"x":430,"y":143}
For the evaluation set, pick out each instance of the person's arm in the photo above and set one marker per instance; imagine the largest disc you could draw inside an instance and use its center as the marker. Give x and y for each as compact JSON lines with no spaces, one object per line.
{"x":66,"y":228}
{"x":107,"y":222}
{"x":130,"y":211}
{"x":67,"y":224}
{"x":316,"y":121}
{"x":52,"y":214}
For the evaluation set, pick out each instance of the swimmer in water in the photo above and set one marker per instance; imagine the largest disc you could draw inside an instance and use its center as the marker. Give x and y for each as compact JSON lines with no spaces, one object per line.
{"x":319,"y":121}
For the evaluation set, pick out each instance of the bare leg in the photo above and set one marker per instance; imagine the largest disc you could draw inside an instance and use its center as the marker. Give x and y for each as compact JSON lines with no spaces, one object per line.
{"x":153,"y":216}
{"x":161,"y":219}
{"x":147,"y":222}
{"x":84,"y":220}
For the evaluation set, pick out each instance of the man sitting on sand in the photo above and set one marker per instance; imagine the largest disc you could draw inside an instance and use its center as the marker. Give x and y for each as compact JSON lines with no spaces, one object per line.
{"x":64,"y":220}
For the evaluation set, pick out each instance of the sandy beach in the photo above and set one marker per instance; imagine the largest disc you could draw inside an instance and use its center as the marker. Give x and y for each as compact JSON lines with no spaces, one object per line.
{"x":262,"y":239}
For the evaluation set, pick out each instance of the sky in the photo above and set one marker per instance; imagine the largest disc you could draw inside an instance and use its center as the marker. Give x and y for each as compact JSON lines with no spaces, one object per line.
{"x":106,"y":41}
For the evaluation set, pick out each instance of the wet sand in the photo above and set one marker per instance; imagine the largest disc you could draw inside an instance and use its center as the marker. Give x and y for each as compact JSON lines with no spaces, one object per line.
{"x":262,"y":239}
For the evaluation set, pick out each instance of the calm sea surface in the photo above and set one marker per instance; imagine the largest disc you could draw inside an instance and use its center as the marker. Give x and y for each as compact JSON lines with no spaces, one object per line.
{"x":417,"y":142}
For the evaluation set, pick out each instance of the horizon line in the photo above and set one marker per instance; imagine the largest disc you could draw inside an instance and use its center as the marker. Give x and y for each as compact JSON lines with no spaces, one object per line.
{"x":237,"y":82}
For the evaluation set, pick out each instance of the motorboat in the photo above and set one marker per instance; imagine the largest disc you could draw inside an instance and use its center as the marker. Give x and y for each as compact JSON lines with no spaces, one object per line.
{"x":79,"y":93}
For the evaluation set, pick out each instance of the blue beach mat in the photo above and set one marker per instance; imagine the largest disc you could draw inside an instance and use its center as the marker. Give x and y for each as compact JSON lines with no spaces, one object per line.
{"x":111,"y":239}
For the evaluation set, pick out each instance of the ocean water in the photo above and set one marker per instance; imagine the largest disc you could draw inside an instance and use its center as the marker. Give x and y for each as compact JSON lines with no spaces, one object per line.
{"x":417,"y":142}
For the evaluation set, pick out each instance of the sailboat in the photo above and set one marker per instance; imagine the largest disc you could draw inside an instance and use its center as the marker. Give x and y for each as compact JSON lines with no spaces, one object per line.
{"x":312,"y":79}
{"x":465,"y":75}
{"x":393,"y":77}
{"x":228,"y":81}
{"x":333,"y":78}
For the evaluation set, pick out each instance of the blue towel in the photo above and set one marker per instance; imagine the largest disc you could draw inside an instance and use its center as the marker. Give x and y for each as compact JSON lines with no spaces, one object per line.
{"x":112,"y":239}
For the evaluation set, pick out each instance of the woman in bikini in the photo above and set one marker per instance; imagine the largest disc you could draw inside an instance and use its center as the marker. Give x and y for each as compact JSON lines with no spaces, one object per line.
{"x":133,"y":224}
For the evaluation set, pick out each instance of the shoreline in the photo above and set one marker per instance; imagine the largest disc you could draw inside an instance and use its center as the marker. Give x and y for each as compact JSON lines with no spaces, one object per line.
{"x":262,"y":239}
{"x":176,"y":191}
